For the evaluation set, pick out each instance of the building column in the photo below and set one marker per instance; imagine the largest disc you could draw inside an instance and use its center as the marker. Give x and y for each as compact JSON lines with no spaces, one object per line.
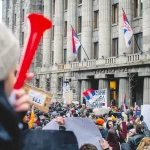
{"x":87,"y":28}
{"x":104,"y":84}
{"x":127,"y":6}
{"x":58,"y":33}
{"x":123,"y":89}
{"x":104,"y":28}
{"x":146,"y":23}
{"x":84,"y":86}
{"x":146,"y":91}
{"x":71,"y":20}
{"x":47,"y":35}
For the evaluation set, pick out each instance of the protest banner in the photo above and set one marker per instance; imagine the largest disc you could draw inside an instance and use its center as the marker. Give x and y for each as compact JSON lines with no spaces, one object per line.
{"x":83,"y":128}
{"x":39,"y":98}
{"x":99,"y":100}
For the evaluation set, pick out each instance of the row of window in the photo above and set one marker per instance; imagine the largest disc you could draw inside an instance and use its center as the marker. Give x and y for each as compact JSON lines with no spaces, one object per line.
{"x":138,"y":10}
{"x":65,"y":5}
{"x":48,"y":85}
{"x":115,"y":48}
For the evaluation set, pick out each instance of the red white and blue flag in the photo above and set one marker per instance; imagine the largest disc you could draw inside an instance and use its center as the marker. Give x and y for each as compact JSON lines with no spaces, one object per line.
{"x":75,"y":42}
{"x":128,"y":32}
{"x":89,"y":94}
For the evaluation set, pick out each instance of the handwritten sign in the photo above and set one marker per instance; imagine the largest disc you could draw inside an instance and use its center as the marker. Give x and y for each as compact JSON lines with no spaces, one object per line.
{"x":100,"y":99}
{"x":39,"y":98}
{"x":36,"y":97}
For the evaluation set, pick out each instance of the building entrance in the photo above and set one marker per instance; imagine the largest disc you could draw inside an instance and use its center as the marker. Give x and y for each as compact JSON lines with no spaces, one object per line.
{"x":113,"y":92}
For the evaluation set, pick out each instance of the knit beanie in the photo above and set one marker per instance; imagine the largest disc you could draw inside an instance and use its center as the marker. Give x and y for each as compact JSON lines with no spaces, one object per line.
{"x":100,"y":121}
{"x":9,"y":51}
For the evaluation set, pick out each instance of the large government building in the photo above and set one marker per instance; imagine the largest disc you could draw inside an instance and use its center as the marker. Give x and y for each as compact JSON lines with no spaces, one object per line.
{"x":99,"y":26}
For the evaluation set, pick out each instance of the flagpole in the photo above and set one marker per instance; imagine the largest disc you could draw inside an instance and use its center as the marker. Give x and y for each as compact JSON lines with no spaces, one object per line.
{"x":133,"y":34}
{"x":81,"y":44}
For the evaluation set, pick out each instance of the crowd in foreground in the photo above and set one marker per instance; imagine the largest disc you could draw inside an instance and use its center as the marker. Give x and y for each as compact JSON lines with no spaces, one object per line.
{"x":120,"y":130}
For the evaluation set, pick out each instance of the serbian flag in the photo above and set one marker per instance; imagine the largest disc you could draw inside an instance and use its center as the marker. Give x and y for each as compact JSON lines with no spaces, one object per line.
{"x":128,"y":32}
{"x":89,"y":94}
{"x":124,"y":103}
{"x":75,"y":42}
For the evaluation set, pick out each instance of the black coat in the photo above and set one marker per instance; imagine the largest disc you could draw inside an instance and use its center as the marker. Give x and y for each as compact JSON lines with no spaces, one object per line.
{"x":14,"y":138}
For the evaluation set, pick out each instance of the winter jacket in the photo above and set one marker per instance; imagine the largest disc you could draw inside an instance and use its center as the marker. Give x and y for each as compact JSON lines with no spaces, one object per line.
{"x":103,"y":131}
{"x":146,"y":131}
{"x":123,"y":133}
{"x":9,"y":123}
{"x":134,"y":140}
{"x":115,"y":146}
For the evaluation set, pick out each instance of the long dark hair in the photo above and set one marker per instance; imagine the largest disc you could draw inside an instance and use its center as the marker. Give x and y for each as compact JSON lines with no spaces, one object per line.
{"x":112,"y":136}
{"x":107,"y":126}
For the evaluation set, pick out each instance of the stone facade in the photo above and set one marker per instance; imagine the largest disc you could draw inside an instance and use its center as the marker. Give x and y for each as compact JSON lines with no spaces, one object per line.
{"x":130,"y":70}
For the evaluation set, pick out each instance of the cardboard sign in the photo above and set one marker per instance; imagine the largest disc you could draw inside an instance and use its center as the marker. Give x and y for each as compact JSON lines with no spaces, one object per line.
{"x":39,"y":98}
{"x":68,"y":97}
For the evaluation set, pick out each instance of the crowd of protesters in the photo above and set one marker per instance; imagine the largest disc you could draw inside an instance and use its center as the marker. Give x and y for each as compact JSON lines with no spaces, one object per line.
{"x":121,"y":130}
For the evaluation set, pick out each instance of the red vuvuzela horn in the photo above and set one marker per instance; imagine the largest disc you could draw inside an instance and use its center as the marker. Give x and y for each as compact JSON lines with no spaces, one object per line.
{"x":38,"y":25}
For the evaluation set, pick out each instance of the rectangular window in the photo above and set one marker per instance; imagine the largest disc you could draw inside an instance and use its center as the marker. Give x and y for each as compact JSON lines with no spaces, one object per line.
{"x":52,"y":57}
{"x":115,"y":47}
{"x":37,"y":83}
{"x":96,"y":50}
{"x":53,"y":7}
{"x":15,"y":21}
{"x":7,"y":21}
{"x":60,"y":84}
{"x":65,"y":29}
{"x":53,"y":32}
{"x":48,"y":84}
{"x":79,"y":2}
{"x":66,"y":4}
{"x":43,"y":9}
{"x":23,"y":15}
{"x":138,"y":8}
{"x":139,"y":39}
{"x":115,"y":12}
{"x":79,"y":54}
{"x":65,"y":56}
{"x":79,"y":24}
{"x":22,"y":39}
{"x":96,"y":19}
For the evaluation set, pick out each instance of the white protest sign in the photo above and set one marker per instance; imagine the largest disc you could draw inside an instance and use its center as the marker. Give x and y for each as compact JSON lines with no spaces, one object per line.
{"x":100,"y":99}
{"x":37,"y":97}
{"x":145,"y":109}
{"x":84,"y":129}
